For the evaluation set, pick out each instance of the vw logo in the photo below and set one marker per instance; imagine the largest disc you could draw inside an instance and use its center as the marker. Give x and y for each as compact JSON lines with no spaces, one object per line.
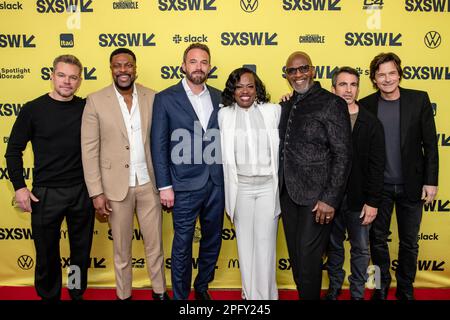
{"x":432,"y":39}
{"x":25,"y":262}
{"x":249,"y":5}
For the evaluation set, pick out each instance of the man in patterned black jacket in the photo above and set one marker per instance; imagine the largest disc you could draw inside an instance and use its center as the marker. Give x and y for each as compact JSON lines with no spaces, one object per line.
{"x":315,"y":160}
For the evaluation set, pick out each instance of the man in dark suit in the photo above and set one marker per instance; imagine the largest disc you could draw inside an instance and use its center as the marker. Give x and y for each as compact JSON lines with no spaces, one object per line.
{"x":411,"y":171}
{"x":363,"y":193}
{"x":315,"y":159}
{"x":185,"y":144}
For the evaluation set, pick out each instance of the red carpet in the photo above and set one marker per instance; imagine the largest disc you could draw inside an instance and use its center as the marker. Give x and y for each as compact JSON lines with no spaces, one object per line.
{"x":28,"y":293}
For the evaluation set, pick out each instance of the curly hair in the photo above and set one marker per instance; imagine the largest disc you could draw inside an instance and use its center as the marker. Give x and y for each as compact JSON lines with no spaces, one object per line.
{"x":230,"y":87}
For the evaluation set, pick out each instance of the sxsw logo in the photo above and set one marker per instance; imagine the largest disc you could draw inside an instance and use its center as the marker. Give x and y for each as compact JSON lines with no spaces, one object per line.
{"x":126,"y":40}
{"x":228,"y":234}
{"x":322,"y":72}
{"x":248,"y":39}
{"x":10,"y":109}
{"x":424,"y":265}
{"x":176,"y":72}
{"x":66,"y":40}
{"x":427,"y":5}
{"x":60,"y":6}
{"x":426,"y":73}
{"x":15,"y":234}
{"x":367,"y":39}
{"x":189,"y":38}
{"x":183,"y":5}
{"x":88,"y":73}
{"x":94,"y":262}
{"x":168,"y":263}
{"x":27,"y":173}
{"x":125,"y":4}
{"x":11,"y":6}
{"x":373,"y":5}
{"x":17,"y":41}
{"x":443,"y":140}
{"x":437,"y":206}
{"x":249,"y":6}
{"x":309,"y":5}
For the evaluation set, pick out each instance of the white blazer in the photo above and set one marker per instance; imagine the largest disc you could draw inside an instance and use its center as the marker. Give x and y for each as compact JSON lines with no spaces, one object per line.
{"x":227,"y":125}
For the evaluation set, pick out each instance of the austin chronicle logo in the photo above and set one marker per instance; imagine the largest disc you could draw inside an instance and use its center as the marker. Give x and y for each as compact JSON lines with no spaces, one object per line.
{"x":249,"y":5}
{"x":432,"y":39}
{"x":25,"y":262}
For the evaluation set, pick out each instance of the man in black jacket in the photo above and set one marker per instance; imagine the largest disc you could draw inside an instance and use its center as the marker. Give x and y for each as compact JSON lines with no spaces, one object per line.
{"x":315,"y":159}
{"x":363,"y":194}
{"x":411,"y":170}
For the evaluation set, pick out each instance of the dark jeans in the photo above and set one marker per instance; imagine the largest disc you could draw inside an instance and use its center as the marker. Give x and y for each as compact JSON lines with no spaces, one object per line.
{"x":346,"y":220}
{"x":409,"y":216}
{"x":306,"y":242}
{"x":55,"y":204}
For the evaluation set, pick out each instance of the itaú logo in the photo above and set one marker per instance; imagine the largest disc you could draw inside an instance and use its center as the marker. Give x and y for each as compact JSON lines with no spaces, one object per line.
{"x":25,"y":262}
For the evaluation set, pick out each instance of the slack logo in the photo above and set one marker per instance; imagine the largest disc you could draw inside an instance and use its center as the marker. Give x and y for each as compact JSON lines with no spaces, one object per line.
{"x":66,"y":40}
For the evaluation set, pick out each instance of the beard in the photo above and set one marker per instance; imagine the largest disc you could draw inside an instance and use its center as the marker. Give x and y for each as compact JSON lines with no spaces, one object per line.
{"x":127,"y":87}
{"x":196,"y":77}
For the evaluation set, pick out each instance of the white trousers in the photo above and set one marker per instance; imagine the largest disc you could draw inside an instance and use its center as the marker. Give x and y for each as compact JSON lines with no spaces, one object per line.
{"x":256,"y":234}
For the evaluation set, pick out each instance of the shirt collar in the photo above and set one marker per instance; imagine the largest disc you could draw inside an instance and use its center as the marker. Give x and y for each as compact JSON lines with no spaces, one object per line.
{"x":189,"y":91}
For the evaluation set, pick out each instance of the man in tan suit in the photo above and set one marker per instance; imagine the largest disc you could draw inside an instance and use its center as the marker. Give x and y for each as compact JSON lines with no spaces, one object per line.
{"x":119,"y":172}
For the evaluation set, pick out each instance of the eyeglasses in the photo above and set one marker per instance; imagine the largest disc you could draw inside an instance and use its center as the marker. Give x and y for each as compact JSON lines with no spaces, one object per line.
{"x":303,"y":69}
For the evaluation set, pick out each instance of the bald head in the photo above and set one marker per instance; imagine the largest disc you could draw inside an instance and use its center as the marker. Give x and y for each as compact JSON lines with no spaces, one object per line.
{"x":300,"y":72}
{"x":298,"y":54}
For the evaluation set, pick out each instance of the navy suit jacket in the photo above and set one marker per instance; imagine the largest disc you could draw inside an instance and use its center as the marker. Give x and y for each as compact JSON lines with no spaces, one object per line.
{"x":178,"y":141}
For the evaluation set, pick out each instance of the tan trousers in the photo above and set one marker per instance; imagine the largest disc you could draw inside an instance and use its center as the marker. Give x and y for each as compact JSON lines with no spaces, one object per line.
{"x":145,"y":202}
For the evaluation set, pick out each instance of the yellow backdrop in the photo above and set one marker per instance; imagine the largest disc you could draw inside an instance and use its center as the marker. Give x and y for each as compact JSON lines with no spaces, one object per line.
{"x":239,"y":32}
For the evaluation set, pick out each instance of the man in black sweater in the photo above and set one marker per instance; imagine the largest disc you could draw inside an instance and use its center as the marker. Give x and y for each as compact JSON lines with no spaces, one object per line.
{"x":410,"y":174}
{"x":363,"y":193}
{"x":52,"y":123}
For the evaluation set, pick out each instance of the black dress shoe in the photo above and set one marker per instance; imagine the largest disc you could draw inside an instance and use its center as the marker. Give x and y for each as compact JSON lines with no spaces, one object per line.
{"x":401,"y":295}
{"x":160,"y":296}
{"x":356,"y":299}
{"x":380,"y":294}
{"x":204,"y":295}
{"x":332,"y":294}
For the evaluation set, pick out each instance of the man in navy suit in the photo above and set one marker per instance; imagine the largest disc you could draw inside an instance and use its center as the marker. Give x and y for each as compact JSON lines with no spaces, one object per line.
{"x":185,"y":144}
{"x":410,"y":173}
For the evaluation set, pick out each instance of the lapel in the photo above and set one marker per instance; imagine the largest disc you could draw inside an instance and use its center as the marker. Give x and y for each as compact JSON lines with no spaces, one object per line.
{"x":230,"y":131}
{"x":143,"y":111}
{"x":185,"y":103}
{"x":116,"y":113}
{"x":215,"y":99}
{"x":405,"y":114}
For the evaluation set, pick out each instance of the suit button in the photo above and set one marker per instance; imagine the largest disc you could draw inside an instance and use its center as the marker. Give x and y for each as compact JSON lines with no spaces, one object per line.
{"x":127,"y":166}
{"x":127,"y":147}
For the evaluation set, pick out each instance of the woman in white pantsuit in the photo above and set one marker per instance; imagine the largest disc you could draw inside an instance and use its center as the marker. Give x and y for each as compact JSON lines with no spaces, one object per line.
{"x":249,"y":138}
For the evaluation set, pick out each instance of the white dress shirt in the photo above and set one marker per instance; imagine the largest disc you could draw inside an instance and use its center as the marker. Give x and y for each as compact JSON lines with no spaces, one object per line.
{"x":132,"y":120}
{"x":201,"y":102}
{"x":251,"y":146}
